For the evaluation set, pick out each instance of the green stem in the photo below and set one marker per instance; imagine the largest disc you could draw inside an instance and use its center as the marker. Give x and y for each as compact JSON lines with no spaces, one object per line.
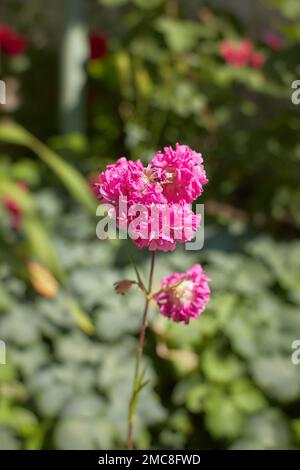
{"x":137,"y":384}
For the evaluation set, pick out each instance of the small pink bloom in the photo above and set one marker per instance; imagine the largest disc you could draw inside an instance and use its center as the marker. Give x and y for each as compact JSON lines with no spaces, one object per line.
{"x":11,"y":42}
{"x":257,"y":60}
{"x":181,"y":173}
{"x":98,"y":46}
{"x":237,"y":54}
{"x":122,"y":178}
{"x":185,"y":295}
{"x":130,"y":188}
{"x":273,"y":40}
{"x":127,"y":178}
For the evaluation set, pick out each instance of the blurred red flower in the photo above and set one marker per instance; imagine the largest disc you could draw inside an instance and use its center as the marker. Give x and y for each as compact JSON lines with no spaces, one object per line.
{"x":236,"y":54}
{"x":98,"y":46}
{"x":11,"y":43}
{"x":14,"y":209}
{"x":273,"y":40}
{"x":257,"y":60}
{"x":241,"y":54}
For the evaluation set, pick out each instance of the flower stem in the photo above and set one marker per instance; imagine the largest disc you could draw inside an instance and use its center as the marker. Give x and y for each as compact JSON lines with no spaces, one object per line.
{"x":138,"y":380}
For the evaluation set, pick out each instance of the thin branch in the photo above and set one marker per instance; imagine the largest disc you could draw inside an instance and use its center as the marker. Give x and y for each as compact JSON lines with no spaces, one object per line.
{"x":139,"y":383}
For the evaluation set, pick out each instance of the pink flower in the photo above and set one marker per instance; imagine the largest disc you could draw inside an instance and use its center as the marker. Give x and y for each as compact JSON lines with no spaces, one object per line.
{"x":241,"y":54}
{"x":257,"y":60}
{"x":237,"y":54}
{"x":98,"y":46}
{"x":129,"y":179}
{"x":181,"y":173}
{"x":162,"y":226}
{"x":273,"y":40}
{"x":122,"y":178}
{"x":184,"y":295}
{"x":11,"y":42}
{"x":153,"y":204}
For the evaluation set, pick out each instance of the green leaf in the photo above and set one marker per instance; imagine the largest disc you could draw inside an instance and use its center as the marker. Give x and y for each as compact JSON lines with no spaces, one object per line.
{"x":181,"y":36}
{"x":19,"y":419}
{"x":38,"y":239}
{"x":15,"y":134}
{"x":41,"y":246}
{"x":80,"y":317}
{"x":113,"y":3}
{"x":246,"y":397}
{"x":296,"y":429}
{"x":289,"y":8}
{"x":223,"y":419}
{"x":21,"y":197}
{"x":269,"y":428}
{"x":278,"y":377}
{"x":196,"y":397}
{"x":8,"y":440}
{"x":147,"y":4}
{"x":220,"y":369}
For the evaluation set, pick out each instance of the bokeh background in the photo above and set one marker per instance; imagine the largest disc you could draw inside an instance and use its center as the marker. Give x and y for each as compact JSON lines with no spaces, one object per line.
{"x":88,"y":81}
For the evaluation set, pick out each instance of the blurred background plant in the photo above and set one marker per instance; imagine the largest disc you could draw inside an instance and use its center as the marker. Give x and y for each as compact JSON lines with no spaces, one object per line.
{"x":119,"y":77}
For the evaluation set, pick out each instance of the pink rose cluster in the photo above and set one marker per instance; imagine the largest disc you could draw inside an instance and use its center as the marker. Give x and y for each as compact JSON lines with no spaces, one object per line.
{"x":241,"y":53}
{"x":161,"y":193}
{"x":184,"y":295}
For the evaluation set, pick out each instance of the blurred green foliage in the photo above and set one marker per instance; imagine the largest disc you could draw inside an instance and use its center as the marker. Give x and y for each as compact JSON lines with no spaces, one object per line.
{"x":225,"y":381}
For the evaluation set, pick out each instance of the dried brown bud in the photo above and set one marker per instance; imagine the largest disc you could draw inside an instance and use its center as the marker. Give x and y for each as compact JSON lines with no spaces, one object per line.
{"x":122,"y":287}
{"x":42,"y":280}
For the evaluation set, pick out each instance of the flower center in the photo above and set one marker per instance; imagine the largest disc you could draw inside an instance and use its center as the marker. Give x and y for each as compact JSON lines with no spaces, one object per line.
{"x":184,"y":292}
{"x":170,"y":175}
{"x":150,"y":175}
{"x":145,"y":178}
